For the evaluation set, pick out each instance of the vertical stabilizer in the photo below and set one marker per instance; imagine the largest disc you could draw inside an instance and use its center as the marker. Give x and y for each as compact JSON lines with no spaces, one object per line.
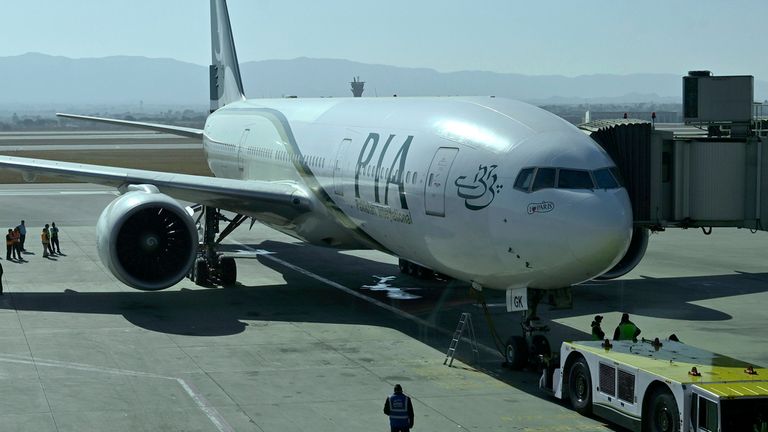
{"x":226,"y":85}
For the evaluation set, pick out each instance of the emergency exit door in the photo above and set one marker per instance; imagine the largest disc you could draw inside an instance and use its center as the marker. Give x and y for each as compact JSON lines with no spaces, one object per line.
{"x":437,"y":179}
{"x":338,"y":167}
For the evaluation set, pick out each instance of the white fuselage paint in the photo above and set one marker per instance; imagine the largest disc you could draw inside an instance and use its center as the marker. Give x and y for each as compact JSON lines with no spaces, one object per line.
{"x":431,"y":180}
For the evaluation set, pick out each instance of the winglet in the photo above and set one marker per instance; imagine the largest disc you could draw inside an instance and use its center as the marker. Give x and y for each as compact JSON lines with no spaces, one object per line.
{"x":226,"y":84}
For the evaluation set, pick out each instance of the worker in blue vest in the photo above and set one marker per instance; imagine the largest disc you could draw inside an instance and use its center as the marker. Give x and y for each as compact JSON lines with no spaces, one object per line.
{"x":400,"y":411}
{"x":626,"y":330}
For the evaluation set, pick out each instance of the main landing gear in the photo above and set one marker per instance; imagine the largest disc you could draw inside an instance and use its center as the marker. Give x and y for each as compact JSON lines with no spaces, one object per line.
{"x":211,"y":268}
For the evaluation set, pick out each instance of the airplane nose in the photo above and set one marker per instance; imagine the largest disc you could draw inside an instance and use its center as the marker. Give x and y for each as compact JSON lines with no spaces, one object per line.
{"x":602,"y":230}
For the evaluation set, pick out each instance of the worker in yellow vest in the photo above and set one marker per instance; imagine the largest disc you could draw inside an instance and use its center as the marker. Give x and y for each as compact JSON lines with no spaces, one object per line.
{"x":626,"y":330}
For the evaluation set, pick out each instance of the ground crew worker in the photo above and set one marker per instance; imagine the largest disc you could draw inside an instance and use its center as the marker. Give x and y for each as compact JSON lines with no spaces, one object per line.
{"x":597,"y":331}
{"x":400,"y":411}
{"x":9,"y":249}
{"x":626,"y":330}
{"x":23,"y":231}
{"x":55,"y":239}
{"x":48,"y":230}
{"x":46,"y":239}
{"x":1,"y":279}
{"x":16,"y":237}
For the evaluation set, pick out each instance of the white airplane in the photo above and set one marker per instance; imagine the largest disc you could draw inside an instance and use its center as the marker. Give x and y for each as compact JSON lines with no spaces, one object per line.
{"x":487,"y":190}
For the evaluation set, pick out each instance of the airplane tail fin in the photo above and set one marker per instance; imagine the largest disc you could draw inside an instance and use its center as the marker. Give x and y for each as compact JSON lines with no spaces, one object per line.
{"x":226,"y":85}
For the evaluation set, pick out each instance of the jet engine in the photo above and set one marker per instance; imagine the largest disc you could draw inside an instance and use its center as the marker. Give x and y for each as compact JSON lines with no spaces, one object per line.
{"x":631,"y":258}
{"x":146,"y":239}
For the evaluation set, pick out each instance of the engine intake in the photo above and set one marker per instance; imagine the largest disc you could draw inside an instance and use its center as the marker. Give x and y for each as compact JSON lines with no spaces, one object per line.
{"x":146,"y":239}
{"x":631,"y":258}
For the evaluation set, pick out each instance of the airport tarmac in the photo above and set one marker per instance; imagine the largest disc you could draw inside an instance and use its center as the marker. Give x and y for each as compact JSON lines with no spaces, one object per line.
{"x":288,"y":349}
{"x":314,"y":338}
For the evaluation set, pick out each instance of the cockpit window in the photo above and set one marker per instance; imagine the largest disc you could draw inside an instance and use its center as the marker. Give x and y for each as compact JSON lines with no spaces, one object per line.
{"x":523,"y":181}
{"x":617,"y":176}
{"x":574,"y":179}
{"x":545,"y":178}
{"x":605,"y":179}
{"x":534,"y":179}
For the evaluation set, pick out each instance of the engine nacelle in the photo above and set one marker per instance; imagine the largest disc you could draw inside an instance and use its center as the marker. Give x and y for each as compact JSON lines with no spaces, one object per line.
{"x":632,"y":258}
{"x":146,"y":239}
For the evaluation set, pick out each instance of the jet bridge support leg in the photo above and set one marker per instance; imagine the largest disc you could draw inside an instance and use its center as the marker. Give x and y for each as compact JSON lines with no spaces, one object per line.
{"x":211,"y":267}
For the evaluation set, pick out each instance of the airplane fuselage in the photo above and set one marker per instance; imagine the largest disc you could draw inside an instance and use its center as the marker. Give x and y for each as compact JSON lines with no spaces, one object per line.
{"x":432,"y":180}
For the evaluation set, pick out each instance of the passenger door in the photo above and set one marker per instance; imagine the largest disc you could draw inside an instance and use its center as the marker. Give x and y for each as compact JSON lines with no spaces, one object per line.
{"x":437,"y":179}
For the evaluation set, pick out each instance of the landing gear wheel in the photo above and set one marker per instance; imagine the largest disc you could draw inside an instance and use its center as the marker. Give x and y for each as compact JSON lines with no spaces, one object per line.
{"x":228,"y":271}
{"x":540,"y":347}
{"x":516,"y":352}
{"x":423,"y":272}
{"x":663,"y":415}
{"x":200,"y":274}
{"x":580,"y":387}
{"x":402,"y":265}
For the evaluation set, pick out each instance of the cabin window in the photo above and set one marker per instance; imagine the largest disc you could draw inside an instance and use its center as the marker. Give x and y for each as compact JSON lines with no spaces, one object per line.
{"x":408,"y":177}
{"x":574,"y":179}
{"x":545,"y":178}
{"x":523,"y":181}
{"x":414,"y":177}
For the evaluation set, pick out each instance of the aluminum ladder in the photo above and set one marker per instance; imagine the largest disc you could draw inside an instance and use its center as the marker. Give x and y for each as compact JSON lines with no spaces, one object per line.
{"x":464,"y":321}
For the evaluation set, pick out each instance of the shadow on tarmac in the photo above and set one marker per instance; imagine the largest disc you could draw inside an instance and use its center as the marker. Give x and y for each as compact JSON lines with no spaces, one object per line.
{"x":217,"y":311}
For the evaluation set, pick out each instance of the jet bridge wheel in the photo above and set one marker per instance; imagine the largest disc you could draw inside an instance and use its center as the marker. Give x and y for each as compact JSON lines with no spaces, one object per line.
{"x":580,"y":387}
{"x":662,"y":415}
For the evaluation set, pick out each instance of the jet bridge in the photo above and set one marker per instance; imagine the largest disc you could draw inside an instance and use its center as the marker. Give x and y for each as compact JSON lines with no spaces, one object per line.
{"x":716,"y":176}
{"x":687,"y":181}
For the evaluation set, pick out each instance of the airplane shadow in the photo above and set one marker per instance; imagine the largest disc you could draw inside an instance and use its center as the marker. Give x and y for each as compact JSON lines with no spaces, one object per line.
{"x":218,"y":311}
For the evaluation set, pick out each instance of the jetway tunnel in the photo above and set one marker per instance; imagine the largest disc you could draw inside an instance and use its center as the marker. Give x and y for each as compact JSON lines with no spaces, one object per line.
{"x":687,"y":180}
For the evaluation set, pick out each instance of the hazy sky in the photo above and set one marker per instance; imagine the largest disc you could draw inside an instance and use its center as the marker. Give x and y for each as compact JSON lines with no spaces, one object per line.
{"x":532,"y":37}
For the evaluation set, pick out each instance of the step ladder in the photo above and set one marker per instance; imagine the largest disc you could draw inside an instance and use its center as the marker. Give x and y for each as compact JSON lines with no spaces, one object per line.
{"x":464,"y":321}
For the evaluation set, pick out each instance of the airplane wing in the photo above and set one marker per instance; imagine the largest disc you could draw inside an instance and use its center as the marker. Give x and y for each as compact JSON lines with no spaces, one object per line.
{"x":278,"y":202}
{"x":174,"y":130}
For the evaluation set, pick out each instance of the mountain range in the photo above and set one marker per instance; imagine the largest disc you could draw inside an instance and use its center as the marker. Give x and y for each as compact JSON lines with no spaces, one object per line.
{"x":35,"y":79}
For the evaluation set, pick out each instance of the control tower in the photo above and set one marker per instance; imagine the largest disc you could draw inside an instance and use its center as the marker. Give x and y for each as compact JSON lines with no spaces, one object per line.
{"x":357,"y":87}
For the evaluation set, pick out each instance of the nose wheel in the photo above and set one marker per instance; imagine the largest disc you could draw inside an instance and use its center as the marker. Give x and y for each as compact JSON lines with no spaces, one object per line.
{"x":531,"y":350}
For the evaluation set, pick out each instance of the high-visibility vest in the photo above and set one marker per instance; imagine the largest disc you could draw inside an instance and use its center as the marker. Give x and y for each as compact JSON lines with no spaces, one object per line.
{"x":398,"y":410}
{"x":627,"y":331}
{"x":44,"y":237}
